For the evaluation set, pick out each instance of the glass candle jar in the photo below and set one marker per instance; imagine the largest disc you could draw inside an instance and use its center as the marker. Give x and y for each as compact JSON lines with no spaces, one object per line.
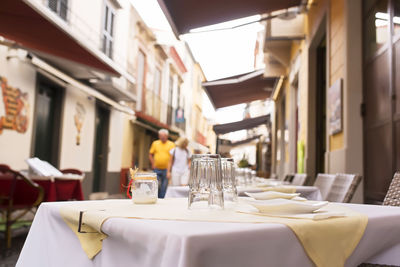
{"x":144,"y":188}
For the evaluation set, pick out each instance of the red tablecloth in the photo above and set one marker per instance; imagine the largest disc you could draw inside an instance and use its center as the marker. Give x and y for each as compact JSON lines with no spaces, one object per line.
{"x":24,"y":194}
{"x":61,"y":189}
{"x":56,"y":190}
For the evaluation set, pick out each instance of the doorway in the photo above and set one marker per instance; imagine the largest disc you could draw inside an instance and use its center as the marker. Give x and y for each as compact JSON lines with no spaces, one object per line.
{"x":320,"y":107}
{"x":47,"y":121}
{"x":100,"y":158}
{"x":381,"y":104}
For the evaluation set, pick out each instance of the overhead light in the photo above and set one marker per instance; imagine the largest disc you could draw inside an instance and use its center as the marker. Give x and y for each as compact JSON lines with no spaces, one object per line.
{"x":93,"y":80}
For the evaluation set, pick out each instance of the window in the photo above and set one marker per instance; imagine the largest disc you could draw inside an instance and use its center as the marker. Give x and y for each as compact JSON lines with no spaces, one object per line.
{"x":170,"y":91}
{"x":178,"y":97}
{"x":108,"y":28}
{"x":376,"y":26}
{"x":60,"y":7}
{"x":157,"y":81}
{"x":396,"y":17}
{"x":140,"y":78}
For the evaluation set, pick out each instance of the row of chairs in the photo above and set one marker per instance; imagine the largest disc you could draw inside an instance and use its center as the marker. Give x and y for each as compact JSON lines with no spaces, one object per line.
{"x":338,"y":187}
{"x":341,"y":187}
{"x":296,"y":178}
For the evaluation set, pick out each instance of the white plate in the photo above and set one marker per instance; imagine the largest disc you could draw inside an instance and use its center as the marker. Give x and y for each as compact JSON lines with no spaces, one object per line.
{"x":271,"y":195}
{"x":285,"y":206}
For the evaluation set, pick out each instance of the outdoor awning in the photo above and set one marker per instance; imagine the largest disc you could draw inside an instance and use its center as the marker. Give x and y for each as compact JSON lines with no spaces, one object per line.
{"x":184,"y":15}
{"x":24,"y":24}
{"x":240,"y":125}
{"x":240,"y":89}
{"x":153,"y":124}
{"x":238,"y":143}
{"x":60,"y":77}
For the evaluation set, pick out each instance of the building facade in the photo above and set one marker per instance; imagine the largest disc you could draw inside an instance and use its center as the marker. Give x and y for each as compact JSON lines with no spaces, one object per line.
{"x":86,"y":90}
{"x":65,"y":99}
{"x":336,"y":110}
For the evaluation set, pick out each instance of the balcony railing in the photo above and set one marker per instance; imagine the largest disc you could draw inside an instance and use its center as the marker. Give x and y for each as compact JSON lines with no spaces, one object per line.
{"x":155,"y":107}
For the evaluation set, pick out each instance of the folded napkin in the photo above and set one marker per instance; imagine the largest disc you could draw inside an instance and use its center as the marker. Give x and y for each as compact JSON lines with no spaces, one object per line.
{"x":327,"y":242}
{"x":319,"y":215}
{"x":91,"y":239}
{"x":282,"y":189}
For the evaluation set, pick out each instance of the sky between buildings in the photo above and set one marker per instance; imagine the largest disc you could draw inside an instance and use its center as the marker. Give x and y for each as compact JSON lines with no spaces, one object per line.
{"x":220,"y":53}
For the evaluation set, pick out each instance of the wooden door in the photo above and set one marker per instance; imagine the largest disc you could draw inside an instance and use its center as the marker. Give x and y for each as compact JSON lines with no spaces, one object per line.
{"x":101,"y":147}
{"x":320,"y":107}
{"x":379,"y":107}
{"x":47,"y":122}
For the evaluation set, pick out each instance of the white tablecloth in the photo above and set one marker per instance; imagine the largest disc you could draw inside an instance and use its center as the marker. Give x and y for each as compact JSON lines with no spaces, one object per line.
{"x":138,"y":242}
{"x":309,"y":192}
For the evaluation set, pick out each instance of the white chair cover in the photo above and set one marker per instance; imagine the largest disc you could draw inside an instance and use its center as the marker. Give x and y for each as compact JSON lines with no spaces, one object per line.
{"x":340,"y":187}
{"x":299,"y":179}
{"x":324,"y":183}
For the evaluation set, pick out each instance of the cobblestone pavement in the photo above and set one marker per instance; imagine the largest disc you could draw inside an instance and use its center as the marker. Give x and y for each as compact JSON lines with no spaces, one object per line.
{"x":9,"y":257}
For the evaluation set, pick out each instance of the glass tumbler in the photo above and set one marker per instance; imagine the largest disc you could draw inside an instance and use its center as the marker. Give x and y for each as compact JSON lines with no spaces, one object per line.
{"x":240,"y":179}
{"x":247,"y":176}
{"x":205,"y":182}
{"x":229,"y":181}
{"x":144,"y":188}
{"x":254,"y":177}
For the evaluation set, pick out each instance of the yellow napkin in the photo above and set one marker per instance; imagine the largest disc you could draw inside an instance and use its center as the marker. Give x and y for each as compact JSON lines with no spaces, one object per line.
{"x":91,"y":240}
{"x":327,"y":242}
{"x":282,"y":189}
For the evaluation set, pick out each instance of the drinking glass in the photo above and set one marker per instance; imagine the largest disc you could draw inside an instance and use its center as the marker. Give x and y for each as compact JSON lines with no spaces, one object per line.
{"x":240,"y":177}
{"x":247,"y":175}
{"x":254,"y":177}
{"x":205,"y":182}
{"x":229,"y":181}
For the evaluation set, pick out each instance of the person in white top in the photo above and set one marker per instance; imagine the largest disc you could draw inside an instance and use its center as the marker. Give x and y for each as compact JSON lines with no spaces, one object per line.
{"x":178,"y":167}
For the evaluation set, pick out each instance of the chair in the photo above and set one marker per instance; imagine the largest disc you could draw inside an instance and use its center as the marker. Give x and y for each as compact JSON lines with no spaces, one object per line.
{"x":324,"y":183}
{"x":343,"y":188}
{"x":299,"y":179}
{"x":17,"y":193}
{"x":288,"y":178}
{"x":392,"y":197}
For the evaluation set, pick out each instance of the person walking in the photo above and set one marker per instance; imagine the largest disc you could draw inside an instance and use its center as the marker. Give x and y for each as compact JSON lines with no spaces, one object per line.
{"x":178,"y":167}
{"x":159,"y":157}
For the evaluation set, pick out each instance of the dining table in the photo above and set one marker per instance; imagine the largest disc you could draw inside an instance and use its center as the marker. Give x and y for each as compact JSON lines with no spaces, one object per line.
{"x":59,"y":188}
{"x":155,"y":242}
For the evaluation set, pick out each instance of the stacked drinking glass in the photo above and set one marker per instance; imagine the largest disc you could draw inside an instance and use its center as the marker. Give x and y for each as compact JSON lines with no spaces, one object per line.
{"x":212,"y":181}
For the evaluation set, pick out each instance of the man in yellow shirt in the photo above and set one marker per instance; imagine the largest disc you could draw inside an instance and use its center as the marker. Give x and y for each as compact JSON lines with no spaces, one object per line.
{"x":159,"y":157}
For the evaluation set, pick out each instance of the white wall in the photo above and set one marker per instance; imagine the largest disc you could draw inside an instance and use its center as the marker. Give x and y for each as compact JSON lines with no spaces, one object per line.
{"x":73,"y":155}
{"x":115,"y":141}
{"x":16,"y":147}
{"x":86,"y":20}
{"x":121,"y":37}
